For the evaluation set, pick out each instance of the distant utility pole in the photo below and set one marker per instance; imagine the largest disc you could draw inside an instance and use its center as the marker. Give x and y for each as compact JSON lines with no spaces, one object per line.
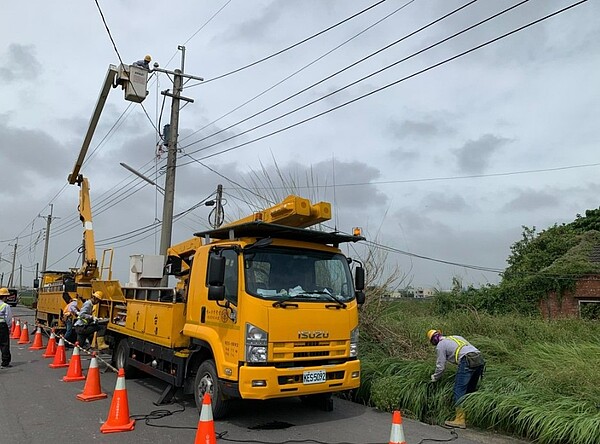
{"x":167,"y":218}
{"x":48,"y":222}
{"x":12,"y":273}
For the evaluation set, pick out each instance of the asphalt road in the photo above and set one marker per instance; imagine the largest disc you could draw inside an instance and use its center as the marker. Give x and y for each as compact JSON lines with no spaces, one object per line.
{"x":36,"y":406}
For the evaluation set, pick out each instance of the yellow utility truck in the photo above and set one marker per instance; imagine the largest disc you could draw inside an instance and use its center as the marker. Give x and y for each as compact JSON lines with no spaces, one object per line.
{"x":262,"y":308}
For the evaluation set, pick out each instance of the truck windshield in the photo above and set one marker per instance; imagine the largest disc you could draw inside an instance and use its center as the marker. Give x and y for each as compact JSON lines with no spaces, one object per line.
{"x":304,"y":275}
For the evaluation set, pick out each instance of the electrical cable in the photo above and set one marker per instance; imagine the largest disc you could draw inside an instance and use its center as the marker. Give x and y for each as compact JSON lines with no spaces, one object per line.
{"x":377,"y":90}
{"x":322,"y":56}
{"x":289,"y":47}
{"x":121,"y":60}
{"x":374,"y":73}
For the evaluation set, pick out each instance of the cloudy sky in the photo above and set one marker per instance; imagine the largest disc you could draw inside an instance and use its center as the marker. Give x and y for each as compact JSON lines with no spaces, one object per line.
{"x":441,"y":151}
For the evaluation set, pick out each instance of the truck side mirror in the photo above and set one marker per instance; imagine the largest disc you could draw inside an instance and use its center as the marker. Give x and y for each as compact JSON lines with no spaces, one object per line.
{"x":36,"y":283}
{"x":359,"y":278}
{"x":216,"y":270}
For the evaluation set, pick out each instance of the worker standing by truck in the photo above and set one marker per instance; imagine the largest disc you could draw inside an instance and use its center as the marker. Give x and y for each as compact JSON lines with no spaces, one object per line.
{"x":87,"y":324}
{"x":5,"y":320}
{"x":457,"y":350}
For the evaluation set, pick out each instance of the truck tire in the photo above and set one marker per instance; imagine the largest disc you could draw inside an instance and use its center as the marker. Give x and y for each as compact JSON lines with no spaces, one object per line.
{"x":120,"y":358}
{"x":207,"y":382}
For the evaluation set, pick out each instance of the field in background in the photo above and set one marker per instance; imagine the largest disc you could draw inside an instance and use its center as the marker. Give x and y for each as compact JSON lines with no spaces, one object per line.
{"x":541,"y":380}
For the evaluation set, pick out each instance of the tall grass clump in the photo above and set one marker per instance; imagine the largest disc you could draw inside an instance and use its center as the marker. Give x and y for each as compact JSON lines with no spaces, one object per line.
{"x":540,"y":381}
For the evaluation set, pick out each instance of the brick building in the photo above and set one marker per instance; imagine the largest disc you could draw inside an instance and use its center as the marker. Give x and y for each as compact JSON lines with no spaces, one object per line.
{"x":587,"y":288}
{"x":587,"y":291}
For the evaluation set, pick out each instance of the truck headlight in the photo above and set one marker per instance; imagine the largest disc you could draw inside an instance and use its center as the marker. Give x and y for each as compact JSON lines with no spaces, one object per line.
{"x":257,"y":341}
{"x":354,"y":343}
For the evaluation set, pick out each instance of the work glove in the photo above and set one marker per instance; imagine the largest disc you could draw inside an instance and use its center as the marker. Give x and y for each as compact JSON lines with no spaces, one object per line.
{"x":433,"y":378}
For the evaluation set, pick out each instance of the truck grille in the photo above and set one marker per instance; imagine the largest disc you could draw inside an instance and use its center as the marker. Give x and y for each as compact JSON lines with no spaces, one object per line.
{"x":306,"y":350}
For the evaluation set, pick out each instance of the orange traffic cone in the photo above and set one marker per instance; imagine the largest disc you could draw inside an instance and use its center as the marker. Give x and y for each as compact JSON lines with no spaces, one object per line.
{"x":12,"y":327}
{"x":38,"y":342}
{"x":206,"y":426}
{"x":24,"y":335}
{"x":118,"y":415}
{"x":74,"y":372}
{"x":17,"y":331}
{"x":60,"y":358}
{"x":92,"y":390}
{"x":397,"y":433}
{"x":51,"y":347}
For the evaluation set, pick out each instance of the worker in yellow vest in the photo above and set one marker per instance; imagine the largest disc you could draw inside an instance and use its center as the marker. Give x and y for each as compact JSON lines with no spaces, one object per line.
{"x":459,"y":351}
{"x":5,"y":321}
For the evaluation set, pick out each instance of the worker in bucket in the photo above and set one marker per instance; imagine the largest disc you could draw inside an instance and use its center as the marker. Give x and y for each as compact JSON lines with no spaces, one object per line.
{"x":87,"y":324}
{"x":5,"y":321}
{"x":144,"y":63}
{"x":459,"y":351}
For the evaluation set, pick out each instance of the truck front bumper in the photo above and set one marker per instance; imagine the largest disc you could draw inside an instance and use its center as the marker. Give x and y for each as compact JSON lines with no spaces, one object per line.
{"x":271,"y":382}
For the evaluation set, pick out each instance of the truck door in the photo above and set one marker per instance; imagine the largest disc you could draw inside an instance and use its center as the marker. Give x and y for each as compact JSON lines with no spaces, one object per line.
{"x":223,"y":316}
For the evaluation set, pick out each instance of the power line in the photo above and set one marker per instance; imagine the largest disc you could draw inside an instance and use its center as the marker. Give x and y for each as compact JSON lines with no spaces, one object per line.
{"x":314,"y":84}
{"x":291,"y":46}
{"x":429,"y":68}
{"x":287,"y":78}
{"x":433,"y":179}
{"x":121,"y":60}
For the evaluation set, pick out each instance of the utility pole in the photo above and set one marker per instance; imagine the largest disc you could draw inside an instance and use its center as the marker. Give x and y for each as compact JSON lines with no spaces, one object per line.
{"x":169,"y":199}
{"x":12,"y":273}
{"x":48,"y":222}
{"x":219,"y":206}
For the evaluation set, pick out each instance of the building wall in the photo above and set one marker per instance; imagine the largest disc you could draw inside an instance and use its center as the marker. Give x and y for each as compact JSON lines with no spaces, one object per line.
{"x":568,"y":306}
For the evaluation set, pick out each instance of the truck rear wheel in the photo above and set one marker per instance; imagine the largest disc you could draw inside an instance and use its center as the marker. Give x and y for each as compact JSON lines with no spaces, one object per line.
{"x":207,"y":382}
{"x":120,"y":358}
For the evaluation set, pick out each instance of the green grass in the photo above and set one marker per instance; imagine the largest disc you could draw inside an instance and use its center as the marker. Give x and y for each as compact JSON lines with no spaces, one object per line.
{"x":541,"y":381}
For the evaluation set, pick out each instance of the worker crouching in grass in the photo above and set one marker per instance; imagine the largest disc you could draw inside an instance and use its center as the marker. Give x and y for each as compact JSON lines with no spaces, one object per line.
{"x":459,"y":351}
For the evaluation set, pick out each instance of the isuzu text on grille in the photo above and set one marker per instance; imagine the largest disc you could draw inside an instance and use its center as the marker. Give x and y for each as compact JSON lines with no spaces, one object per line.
{"x":313,"y":334}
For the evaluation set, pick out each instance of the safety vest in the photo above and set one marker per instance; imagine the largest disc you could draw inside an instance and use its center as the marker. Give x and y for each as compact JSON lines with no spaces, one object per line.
{"x":460,"y":344}
{"x":2,"y":305}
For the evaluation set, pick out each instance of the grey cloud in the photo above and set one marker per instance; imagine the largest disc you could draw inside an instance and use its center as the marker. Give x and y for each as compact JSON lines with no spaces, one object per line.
{"x":20,"y":63}
{"x":419,"y":129}
{"x":532,"y":200}
{"x":475,"y":155}
{"x":445,"y":203}
{"x":404,"y":155}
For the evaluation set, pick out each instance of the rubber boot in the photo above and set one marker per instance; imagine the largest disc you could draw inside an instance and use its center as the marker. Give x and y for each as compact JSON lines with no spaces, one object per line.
{"x":460,"y":420}
{"x":101,"y":344}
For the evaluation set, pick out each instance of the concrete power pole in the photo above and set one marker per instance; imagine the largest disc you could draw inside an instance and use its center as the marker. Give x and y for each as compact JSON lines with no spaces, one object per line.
{"x":48,"y":222}
{"x":12,"y":273}
{"x":169,"y":199}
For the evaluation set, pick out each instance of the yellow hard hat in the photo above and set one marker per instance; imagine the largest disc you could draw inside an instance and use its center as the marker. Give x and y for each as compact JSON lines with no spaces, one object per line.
{"x":430,"y":333}
{"x":4,"y":291}
{"x":148,"y":58}
{"x":97,"y":294}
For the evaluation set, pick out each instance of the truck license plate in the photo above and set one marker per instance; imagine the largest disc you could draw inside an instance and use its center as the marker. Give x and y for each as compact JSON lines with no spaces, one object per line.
{"x":314,"y":376}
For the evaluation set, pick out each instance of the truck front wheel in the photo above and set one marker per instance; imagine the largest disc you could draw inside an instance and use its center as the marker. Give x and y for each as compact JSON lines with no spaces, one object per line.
{"x":207,"y":382}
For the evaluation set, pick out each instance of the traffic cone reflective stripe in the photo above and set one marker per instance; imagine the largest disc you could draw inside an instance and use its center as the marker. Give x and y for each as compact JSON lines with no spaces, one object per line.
{"x":12,"y":327}
{"x":206,"y":426}
{"x":92,"y":390}
{"x":38,"y":342}
{"x":24,"y":335}
{"x":17,"y":332}
{"x":60,"y":358}
{"x":397,"y":433}
{"x":51,"y":346}
{"x":74,"y":372}
{"x":118,"y":415}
